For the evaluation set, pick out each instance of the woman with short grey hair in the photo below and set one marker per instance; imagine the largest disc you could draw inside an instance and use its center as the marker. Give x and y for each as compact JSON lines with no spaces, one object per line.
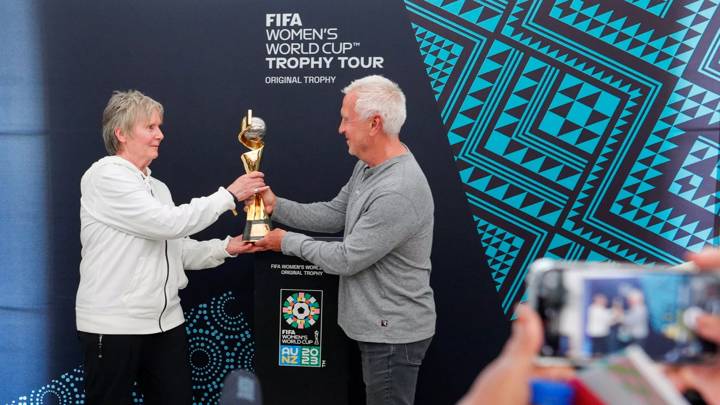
{"x":135,"y":250}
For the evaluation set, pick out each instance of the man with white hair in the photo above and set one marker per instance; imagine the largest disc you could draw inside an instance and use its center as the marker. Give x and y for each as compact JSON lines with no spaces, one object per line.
{"x":635,"y":319}
{"x":386,"y":209}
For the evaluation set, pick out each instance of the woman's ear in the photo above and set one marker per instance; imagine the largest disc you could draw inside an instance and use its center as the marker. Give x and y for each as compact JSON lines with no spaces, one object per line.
{"x":119,"y":135}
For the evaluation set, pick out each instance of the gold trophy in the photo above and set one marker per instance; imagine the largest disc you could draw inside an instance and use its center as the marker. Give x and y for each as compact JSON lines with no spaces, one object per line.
{"x":252,"y":132}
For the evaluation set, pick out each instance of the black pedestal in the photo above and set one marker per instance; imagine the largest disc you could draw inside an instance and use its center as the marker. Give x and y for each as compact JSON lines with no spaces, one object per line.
{"x":301,"y":354}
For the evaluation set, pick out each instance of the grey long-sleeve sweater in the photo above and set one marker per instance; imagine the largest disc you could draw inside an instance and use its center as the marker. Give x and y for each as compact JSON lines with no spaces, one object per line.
{"x":384,"y":259}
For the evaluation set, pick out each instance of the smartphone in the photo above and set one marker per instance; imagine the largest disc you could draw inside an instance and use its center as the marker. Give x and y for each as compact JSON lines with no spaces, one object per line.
{"x":591,"y":309}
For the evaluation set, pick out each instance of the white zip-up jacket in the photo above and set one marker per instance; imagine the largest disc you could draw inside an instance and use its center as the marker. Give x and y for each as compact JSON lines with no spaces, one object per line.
{"x":135,"y":248}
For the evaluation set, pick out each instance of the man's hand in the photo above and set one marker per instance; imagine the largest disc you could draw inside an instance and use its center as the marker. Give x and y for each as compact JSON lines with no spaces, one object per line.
{"x":247,"y":185}
{"x":238,"y":246}
{"x":273,"y":240}
{"x":268,"y":198}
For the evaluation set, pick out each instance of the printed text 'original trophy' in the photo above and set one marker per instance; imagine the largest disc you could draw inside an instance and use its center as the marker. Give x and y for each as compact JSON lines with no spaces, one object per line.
{"x":252,"y":132}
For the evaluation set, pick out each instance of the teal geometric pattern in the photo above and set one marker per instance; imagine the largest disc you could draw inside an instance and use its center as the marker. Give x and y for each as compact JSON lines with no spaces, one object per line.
{"x":482,"y":14}
{"x":671,"y":144}
{"x":441,"y":55}
{"x":638,"y":36}
{"x":580,"y":129}
{"x":501,"y":247}
{"x":219,"y":341}
{"x":710,"y":64}
{"x":579,"y":113}
{"x":657,"y":7}
{"x":697,"y":179}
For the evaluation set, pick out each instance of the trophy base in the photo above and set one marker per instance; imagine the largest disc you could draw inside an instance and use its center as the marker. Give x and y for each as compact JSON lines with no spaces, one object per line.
{"x":256,"y":229}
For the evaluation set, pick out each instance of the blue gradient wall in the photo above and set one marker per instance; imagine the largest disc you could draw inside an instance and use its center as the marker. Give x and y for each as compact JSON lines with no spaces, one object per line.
{"x":24,"y":314}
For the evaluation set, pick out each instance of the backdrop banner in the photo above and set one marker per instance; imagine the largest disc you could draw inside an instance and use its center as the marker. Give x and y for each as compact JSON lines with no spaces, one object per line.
{"x":566,"y":129}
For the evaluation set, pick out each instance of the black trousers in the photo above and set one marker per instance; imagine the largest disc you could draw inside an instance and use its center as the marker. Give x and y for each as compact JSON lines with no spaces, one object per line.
{"x":158,"y":363}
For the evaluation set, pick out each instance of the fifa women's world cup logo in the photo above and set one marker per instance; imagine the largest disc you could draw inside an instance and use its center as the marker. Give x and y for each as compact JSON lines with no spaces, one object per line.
{"x":301,"y":328}
{"x":301,"y":310}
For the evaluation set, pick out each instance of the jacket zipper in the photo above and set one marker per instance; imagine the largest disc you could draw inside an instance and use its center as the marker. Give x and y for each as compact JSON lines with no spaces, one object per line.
{"x":167,"y":277}
{"x":100,"y":346}
{"x":167,"y":273}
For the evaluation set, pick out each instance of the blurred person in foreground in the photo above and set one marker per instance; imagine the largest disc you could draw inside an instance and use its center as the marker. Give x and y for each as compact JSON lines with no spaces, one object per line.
{"x":135,"y":250}
{"x":507,"y":379}
{"x":705,"y":378}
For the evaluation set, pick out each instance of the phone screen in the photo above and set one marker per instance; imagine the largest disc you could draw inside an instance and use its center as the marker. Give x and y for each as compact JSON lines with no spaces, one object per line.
{"x":591,"y":313}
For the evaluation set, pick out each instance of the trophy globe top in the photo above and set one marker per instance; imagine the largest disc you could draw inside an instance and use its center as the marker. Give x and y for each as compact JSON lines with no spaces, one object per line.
{"x":251,"y":136}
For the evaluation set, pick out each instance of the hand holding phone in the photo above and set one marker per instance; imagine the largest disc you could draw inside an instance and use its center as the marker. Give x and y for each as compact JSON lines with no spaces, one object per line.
{"x":591,"y":309}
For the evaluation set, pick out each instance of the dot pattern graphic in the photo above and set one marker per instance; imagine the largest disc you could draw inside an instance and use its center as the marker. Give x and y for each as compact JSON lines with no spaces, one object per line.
{"x":219,"y":341}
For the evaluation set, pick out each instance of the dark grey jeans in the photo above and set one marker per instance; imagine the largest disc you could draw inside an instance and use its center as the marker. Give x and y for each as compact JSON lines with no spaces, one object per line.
{"x":390,"y":371}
